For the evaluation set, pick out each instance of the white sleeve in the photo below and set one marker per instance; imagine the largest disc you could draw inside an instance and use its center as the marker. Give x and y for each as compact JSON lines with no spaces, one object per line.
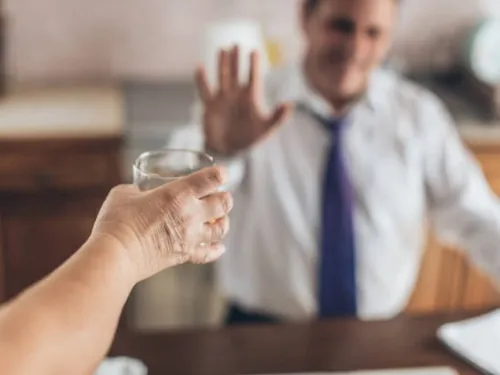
{"x":191,"y":137}
{"x":464,"y":210}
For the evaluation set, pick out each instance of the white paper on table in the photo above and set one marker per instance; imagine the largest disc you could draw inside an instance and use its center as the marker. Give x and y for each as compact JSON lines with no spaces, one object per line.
{"x":476,"y":340}
{"x":121,"y":366}
{"x":409,"y":371}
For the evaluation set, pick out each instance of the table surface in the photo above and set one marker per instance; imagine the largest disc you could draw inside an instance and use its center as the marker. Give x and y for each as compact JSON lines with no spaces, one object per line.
{"x":343,"y":345}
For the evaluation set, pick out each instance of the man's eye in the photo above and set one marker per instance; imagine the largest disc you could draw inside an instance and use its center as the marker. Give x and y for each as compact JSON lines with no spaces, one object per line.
{"x":343,"y":26}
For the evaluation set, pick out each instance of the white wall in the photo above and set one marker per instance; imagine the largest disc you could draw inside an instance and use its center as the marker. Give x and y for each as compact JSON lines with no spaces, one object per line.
{"x":161,"y":39}
{"x":135,"y":39}
{"x":431,"y":32}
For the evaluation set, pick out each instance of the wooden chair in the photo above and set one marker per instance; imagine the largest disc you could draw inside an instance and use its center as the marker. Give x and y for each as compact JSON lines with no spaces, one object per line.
{"x":448,"y":281}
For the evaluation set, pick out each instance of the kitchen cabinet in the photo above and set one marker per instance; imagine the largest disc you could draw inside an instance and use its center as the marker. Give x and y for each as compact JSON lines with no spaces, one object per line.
{"x":60,"y":154}
{"x":50,"y":193}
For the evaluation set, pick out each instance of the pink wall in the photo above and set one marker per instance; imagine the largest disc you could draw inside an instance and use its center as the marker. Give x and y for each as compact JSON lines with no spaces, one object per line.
{"x":144,"y":39}
{"x":431,"y":32}
{"x":161,"y":39}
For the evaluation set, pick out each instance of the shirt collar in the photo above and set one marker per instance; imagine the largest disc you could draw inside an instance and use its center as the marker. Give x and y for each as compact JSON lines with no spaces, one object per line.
{"x":296,"y":89}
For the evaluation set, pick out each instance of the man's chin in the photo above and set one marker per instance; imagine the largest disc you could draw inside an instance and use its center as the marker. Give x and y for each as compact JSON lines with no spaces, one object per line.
{"x":347,"y":77}
{"x":348,"y":89}
{"x":345,"y":84}
{"x":348,"y":94}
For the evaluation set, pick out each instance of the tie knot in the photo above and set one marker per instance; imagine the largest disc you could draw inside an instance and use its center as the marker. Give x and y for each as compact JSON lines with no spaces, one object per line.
{"x":335,"y":125}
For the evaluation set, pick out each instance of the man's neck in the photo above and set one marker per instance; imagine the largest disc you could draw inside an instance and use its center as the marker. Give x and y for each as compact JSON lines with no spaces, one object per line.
{"x":340,"y":105}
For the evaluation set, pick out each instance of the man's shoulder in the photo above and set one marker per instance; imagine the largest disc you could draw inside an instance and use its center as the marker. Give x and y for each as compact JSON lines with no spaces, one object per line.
{"x":411,"y":105}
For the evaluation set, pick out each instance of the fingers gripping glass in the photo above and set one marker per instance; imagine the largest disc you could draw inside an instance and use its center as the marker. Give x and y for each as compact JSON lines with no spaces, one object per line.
{"x":156,"y":168}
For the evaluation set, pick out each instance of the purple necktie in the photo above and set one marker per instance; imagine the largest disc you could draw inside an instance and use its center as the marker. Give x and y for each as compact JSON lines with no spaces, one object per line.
{"x":337,"y":280}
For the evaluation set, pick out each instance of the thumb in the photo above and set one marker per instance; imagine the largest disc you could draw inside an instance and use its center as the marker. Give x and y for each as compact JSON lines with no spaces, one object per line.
{"x":279,"y":115}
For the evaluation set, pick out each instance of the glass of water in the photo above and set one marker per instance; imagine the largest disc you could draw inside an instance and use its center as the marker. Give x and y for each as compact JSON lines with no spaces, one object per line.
{"x":155,"y":168}
{"x":186,"y":291}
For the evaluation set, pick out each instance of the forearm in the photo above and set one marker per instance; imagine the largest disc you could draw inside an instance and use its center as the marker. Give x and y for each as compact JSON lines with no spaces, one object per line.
{"x":65,"y":323}
{"x":483,"y":246}
{"x":472,"y":224}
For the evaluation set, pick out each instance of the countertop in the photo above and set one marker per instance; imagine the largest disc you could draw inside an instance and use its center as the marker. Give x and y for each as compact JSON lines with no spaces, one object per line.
{"x":93,"y":111}
{"x":87,"y":111}
{"x":480,"y":133}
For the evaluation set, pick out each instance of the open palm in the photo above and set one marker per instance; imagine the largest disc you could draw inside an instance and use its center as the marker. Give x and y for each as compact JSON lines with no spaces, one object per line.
{"x":233,"y":119}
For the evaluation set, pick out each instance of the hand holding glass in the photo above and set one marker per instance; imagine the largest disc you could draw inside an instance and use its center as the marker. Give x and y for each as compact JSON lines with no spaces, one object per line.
{"x":155,"y":168}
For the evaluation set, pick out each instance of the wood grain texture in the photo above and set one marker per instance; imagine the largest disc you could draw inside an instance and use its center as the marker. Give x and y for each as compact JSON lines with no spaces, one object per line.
{"x":426,"y":295}
{"x":448,"y":281}
{"x":342,"y":345}
{"x":37,"y":243}
{"x":50,"y":193}
{"x":32,"y":165}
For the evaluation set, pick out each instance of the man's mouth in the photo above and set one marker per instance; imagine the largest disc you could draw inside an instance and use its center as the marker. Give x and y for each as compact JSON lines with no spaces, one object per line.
{"x":341,"y":65}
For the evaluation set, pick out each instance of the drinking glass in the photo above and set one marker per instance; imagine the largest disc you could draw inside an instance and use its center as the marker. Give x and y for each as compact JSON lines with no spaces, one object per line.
{"x":185,"y":291}
{"x":155,"y":168}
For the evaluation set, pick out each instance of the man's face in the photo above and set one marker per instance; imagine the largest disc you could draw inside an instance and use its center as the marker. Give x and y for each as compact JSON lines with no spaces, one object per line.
{"x":346,"y":40}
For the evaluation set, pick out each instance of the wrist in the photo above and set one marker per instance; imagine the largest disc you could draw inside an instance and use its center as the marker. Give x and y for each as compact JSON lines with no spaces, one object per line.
{"x":116,"y":255}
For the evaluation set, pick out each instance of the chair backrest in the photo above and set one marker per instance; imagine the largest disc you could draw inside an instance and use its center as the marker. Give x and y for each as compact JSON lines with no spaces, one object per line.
{"x":448,"y":280}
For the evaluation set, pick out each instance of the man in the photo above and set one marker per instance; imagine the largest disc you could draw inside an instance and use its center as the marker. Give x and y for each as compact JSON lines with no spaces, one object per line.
{"x":65,"y":323}
{"x":331,"y":196}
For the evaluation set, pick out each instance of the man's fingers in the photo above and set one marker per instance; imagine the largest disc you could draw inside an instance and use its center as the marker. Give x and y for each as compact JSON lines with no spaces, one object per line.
{"x":207,"y":253}
{"x":202,"y":84}
{"x":204,"y":182}
{"x":235,"y":66}
{"x":214,"y":232}
{"x":217,"y":206}
{"x":279,"y":115}
{"x":224,"y":70}
{"x":254,"y":74}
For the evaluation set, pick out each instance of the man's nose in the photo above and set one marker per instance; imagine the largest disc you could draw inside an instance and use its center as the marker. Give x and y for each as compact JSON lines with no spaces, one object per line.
{"x":355,"y":46}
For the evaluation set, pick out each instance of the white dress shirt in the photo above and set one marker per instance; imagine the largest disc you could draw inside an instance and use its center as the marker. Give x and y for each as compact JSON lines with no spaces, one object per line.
{"x":407,"y":165}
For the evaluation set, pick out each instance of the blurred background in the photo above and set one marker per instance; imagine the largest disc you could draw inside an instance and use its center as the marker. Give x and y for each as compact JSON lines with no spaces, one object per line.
{"x":89,"y":85}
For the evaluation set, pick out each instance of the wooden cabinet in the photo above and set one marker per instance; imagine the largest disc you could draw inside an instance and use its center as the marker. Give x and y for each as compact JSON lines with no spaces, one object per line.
{"x":37,"y":242}
{"x":448,"y":281}
{"x":50,"y":193}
